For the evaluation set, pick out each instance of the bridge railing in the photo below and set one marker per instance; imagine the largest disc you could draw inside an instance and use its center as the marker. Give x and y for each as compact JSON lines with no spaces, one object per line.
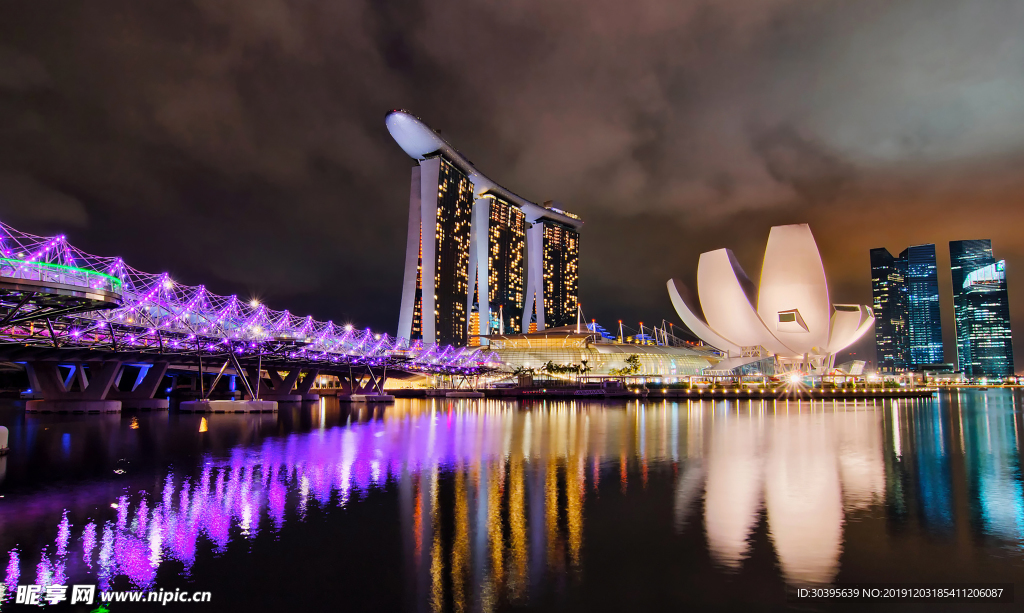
{"x":46,"y":272}
{"x":156,"y":313}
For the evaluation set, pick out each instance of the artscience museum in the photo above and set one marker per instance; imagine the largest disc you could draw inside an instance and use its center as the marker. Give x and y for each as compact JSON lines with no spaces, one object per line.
{"x":788,"y":319}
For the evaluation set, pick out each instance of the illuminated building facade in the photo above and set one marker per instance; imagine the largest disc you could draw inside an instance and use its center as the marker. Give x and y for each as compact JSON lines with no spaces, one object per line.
{"x":794,"y":318}
{"x":908,"y":325}
{"x":561,"y":274}
{"x":500,"y":265}
{"x":437,"y":254}
{"x":981,"y":309}
{"x":889,"y":293}
{"x":566,"y":346}
{"x":498,"y":262}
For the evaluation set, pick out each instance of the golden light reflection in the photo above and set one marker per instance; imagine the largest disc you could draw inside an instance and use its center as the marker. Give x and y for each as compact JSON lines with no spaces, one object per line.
{"x":436,"y":552}
{"x":460,"y":551}
{"x":517,"y":530}
{"x":551,"y":513}
{"x":204,"y":426}
{"x":514,"y":485}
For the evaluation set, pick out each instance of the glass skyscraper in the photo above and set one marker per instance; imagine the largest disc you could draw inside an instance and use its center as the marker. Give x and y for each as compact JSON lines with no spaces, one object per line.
{"x":981,"y":308}
{"x":908,"y":325}
{"x":889,"y":294}
{"x":925,"y":320}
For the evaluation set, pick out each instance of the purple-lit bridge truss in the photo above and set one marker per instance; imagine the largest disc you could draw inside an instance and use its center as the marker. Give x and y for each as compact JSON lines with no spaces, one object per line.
{"x":60,"y":303}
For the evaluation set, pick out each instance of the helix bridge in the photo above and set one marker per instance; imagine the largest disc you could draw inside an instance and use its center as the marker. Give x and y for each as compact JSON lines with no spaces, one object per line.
{"x":60,"y":304}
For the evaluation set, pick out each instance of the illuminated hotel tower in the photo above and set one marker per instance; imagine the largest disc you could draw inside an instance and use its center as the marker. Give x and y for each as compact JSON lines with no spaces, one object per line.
{"x":440,"y":206}
{"x":514,"y":267}
{"x":499,"y":261}
{"x":561,"y":254}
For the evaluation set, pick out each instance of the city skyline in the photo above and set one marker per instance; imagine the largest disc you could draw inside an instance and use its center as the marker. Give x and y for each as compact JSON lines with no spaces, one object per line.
{"x":287,"y":165}
{"x":511,"y":306}
{"x":908,"y":329}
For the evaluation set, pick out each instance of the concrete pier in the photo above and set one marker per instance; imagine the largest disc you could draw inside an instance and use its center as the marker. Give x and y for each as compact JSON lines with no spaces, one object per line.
{"x":3,"y":440}
{"x":228,"y":406}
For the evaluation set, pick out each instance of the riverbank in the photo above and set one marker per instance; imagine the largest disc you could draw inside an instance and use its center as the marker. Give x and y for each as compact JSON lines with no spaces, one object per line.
{"x":692,"y":394}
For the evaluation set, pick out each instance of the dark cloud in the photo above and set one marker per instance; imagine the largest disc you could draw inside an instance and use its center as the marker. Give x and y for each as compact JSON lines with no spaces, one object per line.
{"x":25,"y":200}
{"x":21,"y":73}
{"x":241,"y":143}
{"x":816,"y":175}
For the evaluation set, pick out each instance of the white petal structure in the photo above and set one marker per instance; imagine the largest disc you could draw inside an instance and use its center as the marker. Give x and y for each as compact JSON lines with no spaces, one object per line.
{"x":793,"y":318}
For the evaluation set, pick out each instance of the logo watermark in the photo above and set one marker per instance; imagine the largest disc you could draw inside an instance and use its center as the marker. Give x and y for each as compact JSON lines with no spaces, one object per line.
{"x":34,"y":594}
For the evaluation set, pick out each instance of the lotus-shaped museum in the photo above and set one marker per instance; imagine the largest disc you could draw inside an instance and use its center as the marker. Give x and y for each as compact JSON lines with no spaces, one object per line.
{"x":793,"y":319}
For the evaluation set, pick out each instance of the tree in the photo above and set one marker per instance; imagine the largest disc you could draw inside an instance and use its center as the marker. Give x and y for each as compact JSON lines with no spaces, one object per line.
{"x":632,"y":366}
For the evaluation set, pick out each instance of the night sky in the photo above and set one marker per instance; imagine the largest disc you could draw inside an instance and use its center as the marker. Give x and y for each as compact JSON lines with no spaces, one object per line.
{"x":241,"y":143}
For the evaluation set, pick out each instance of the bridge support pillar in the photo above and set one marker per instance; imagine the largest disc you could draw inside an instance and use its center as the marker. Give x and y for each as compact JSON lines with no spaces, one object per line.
{"x":141,"y":396}
{"x":287,"y":388}
{"x":77,"y":393}
{"x":303,"y":387}
{"x":363,"y":387}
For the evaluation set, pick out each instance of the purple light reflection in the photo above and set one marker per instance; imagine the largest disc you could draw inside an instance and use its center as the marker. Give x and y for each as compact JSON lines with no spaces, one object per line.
{"x":241,"y":492}
{"x":13,"y":571}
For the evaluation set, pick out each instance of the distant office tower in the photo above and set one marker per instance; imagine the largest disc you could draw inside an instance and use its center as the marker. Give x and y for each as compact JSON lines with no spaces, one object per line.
{"x":495,"y":261}
{"x":908,"y":324}
{"x":889,"y":292}
{"x":981,"y":308}
{"x":923,"y":305}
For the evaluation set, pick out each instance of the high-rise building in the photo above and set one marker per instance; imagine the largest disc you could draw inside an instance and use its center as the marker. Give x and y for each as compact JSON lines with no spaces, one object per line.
{"x":501,"y":269}
{"x":923,"y":310}
{"x":981,"y":308}
{"x":908,"y":323}
{"x":561,"y":275}
{"x":889,"y":292}
{"x":437,"y":255}
{"x":480,"y":259}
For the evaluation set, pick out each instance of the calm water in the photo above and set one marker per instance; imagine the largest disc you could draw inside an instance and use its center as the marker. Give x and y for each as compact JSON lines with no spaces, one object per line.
{"x":483,"y":505}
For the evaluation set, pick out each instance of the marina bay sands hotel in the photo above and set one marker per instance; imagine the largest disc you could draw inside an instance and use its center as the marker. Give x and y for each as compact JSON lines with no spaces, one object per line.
{"x":479,"y":259}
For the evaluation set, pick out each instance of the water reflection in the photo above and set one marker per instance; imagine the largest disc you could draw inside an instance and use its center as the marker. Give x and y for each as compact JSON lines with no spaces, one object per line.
{"x":493,"y":498}
{"x":802,"y":465}
{"x":994,"y":470}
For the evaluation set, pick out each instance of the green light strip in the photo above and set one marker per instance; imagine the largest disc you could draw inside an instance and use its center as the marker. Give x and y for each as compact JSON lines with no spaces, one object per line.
{"x":114,"y":280}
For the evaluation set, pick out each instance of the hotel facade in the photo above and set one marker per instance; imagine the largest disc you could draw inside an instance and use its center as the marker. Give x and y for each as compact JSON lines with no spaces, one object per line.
{"x":480,"y":259}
